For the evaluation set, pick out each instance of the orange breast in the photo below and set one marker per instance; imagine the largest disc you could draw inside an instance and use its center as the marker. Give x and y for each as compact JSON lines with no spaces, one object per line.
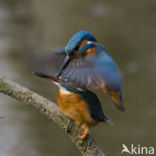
{"x":75,"y":108}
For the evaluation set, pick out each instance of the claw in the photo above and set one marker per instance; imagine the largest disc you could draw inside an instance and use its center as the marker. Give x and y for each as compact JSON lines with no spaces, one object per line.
{"x":84,"y":134}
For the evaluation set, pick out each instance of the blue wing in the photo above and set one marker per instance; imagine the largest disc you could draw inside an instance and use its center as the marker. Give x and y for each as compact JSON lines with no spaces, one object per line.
{"x":94,"y":106}
{"x":97,"y":72}
{"x":58,"y":51}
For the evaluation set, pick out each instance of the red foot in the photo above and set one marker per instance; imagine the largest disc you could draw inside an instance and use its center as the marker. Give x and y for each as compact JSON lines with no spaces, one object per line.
{"x":84,"y":134}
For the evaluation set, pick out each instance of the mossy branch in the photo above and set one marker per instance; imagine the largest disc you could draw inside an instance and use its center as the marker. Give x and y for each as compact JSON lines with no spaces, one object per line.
{"x":87,"y":146}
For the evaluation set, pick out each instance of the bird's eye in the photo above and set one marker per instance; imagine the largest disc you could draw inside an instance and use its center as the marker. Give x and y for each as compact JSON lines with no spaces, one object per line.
{"x":71,"y":53}
{"x":74,"y":51}
{"x":76,"y":48}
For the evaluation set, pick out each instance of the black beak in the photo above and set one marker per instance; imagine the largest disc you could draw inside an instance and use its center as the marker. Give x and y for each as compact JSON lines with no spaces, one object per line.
{"x":64,"y":65}
{"x":70,"y":57}
{"x":46,"y":76}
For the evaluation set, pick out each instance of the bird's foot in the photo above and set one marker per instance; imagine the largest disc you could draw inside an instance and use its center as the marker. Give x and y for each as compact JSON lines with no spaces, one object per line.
{"x":84,"y":134}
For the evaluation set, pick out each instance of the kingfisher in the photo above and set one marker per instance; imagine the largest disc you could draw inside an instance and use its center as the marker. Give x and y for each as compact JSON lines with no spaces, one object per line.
{"x":87,"y":66}
{"x":82,"y":106}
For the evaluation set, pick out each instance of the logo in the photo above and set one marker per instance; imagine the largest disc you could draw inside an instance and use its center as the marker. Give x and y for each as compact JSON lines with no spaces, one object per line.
{"x":137,"y":149}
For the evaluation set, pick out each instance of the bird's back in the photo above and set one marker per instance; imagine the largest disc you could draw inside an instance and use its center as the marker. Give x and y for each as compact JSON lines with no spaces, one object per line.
{"x":83,"y":106}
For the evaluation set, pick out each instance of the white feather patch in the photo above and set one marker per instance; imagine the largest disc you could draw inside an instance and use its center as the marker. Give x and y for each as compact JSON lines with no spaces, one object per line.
{"x":62,"y":89}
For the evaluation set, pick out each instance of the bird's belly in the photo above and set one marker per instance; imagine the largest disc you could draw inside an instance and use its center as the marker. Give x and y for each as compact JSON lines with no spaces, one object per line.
{"x":75,"y":108}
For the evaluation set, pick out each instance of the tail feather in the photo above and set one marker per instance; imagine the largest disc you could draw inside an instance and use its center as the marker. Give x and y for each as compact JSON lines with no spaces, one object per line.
{"x":107,"y":120}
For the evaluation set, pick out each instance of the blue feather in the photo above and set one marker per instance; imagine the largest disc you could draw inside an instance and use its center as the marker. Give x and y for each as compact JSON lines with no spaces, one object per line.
{"x":77,"y":39}
{"x":58,"y":50}
{"x":94,"y":73}
{"x":94,"y":106}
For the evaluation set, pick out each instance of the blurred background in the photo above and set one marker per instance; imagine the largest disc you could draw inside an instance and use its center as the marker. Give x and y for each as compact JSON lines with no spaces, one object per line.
{"x":28,"y":29}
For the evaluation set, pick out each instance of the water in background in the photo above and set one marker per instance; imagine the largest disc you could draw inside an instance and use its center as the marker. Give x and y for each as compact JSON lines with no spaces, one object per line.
{"x":29,"y":28}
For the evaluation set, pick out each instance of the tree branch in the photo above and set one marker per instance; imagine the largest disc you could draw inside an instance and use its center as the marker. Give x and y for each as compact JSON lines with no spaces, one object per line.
{"x":87,"y":146}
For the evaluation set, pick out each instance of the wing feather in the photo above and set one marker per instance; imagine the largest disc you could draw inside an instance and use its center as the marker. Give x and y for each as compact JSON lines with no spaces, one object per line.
{"x":98,"y":72}
{"x":94,"y":106}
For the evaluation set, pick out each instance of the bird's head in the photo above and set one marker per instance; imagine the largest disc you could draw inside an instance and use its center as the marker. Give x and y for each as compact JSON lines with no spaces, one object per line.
{"x":77,"y":39}
{"x":74,"y":46}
